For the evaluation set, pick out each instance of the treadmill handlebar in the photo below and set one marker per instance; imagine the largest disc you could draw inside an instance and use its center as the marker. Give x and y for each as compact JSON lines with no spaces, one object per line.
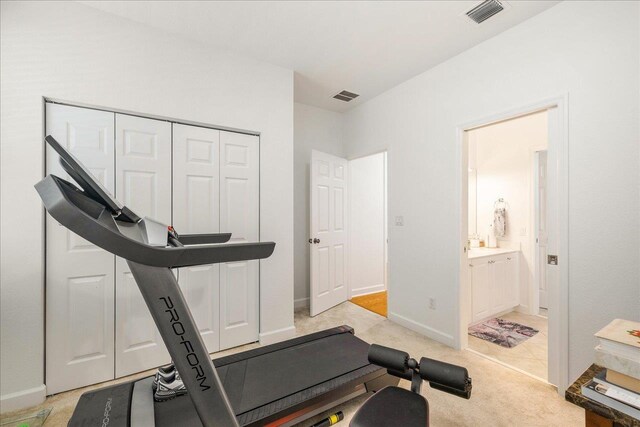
{"x":203,"y":239}
{"x":94,"y":222}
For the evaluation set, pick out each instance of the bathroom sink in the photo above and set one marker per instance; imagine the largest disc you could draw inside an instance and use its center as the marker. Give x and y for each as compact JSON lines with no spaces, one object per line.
{"x":481,"y":252}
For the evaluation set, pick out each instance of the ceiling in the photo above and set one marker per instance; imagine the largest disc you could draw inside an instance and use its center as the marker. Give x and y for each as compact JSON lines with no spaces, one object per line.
{"x":364,"y":47}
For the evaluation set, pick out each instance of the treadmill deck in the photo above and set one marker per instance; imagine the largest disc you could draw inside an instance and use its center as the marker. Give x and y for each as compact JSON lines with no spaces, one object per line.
{"x":263,"y":385}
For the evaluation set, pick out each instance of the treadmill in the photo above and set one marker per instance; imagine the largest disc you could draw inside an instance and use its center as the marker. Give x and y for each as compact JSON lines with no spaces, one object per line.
{"x":279,"y":384}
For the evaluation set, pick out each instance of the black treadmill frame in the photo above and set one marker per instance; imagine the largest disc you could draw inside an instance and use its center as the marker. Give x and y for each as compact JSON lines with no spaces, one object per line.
{"x":97,"y":217}
{"x":100,"y":219}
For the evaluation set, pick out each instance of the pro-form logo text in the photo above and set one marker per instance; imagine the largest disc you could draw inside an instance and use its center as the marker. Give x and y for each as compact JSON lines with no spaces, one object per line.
{"x":178,"y":329}
{"x":107,"y":411}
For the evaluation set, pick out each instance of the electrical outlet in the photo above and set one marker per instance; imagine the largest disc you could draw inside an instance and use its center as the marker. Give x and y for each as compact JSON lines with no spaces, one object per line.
{"x":400,"y":221}
{"x":432,"y":303}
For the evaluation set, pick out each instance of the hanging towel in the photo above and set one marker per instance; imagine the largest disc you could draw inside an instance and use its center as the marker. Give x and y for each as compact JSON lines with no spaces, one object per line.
{"x":499,"y":222}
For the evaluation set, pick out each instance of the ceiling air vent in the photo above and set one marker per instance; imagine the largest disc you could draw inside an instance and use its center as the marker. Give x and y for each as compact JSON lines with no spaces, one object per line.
{"x":485,"y":10}
{"x":346,"y":96}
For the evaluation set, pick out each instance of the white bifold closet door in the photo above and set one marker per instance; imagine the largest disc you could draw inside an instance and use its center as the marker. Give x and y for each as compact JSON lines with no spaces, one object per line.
{"x":196,"y":201}
{"x":79,"y":275}
{"x":143,"y":183}
{"x":239,"y":215}
{"x":215,"y":190}
{"x":97,"y":324}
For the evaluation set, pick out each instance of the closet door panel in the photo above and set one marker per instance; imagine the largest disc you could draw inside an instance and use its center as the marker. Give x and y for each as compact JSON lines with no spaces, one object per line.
{"x":79,"y":275}
{"x":239,"y":215}
{"x":196,"y":209}
{"x":143,"y":183}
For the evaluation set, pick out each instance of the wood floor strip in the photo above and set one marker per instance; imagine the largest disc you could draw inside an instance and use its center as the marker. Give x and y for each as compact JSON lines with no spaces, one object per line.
{"x":373,"y":302}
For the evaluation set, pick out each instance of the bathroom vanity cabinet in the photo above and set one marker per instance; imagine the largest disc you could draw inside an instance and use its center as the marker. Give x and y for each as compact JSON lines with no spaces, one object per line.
{"x":494,"y":284}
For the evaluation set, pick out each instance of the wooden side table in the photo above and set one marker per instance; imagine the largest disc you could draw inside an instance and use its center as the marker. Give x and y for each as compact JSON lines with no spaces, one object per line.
{"x":597,"y":414}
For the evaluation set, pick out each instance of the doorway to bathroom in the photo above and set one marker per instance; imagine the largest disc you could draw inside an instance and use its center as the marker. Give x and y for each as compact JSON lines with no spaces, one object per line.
{"x":512,"y":290}
{"x":504,"y":324}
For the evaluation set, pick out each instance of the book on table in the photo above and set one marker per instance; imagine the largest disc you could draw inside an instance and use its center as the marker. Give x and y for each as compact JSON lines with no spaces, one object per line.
{"x":621,"y":337}
{"x":622,"y":380}
{"x":612,"y":398}
{"x":618,"y":350}
{"x":601,"y":378}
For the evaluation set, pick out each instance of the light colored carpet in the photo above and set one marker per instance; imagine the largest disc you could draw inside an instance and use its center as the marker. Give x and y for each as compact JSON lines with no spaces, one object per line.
{"x":500,"y":397}
{"x":373,"y":302}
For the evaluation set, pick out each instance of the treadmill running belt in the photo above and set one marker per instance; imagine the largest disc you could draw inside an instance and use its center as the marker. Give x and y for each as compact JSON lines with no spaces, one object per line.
{"x":264,"y":379}
{"x":262,"y":382}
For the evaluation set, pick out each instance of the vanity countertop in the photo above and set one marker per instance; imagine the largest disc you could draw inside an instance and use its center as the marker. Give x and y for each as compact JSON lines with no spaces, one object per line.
{"x":483,"y":252}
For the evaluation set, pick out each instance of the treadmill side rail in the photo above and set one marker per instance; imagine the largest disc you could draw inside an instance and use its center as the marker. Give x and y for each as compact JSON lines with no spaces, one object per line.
{"x":178,"y":329}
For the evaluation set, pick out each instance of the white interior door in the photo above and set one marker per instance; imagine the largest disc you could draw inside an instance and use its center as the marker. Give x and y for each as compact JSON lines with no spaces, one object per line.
{"x":196,"y":209}
{"x":541,"y":225}
{"x":143,"y":183}
{"x":239,"y":215}
{"x":328,"y":231}
{"x":79,"y":275}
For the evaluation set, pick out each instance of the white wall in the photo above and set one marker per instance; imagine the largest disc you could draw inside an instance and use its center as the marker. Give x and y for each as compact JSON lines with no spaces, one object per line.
{"x":69,"y":51}
{"x":314,"y":129}
{"x":503,"y":161}
{"x":367,"y":217}
{"x":589,"y":50}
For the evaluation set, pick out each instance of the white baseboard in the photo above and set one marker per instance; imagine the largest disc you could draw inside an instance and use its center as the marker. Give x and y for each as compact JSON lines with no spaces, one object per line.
{"x":300,"y":303}
{"x":23,"y":399}
{"x":367,"y":290}
{"x":425,"y":330}
{"x":278,"y":335}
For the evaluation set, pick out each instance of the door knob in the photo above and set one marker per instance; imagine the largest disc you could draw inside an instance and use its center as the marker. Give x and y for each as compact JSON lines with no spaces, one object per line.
{"x":316,"y":241}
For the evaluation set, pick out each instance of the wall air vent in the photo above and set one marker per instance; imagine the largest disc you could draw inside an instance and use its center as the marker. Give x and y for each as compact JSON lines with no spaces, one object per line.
{"x":485,"y":10}
{"x":346,"y":96}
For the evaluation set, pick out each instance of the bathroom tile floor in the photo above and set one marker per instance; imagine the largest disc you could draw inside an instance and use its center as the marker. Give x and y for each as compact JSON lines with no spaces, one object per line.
{"x":500,"y":397}
{"x":529,"y":356}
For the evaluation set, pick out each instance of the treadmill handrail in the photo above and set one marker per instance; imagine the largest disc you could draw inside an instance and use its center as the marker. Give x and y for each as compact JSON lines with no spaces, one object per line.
{"x":204,"y":239}
{"x":63,"y":201}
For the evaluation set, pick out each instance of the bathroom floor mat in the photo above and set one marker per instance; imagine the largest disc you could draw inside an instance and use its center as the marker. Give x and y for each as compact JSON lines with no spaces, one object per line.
{"x":502,"y":332}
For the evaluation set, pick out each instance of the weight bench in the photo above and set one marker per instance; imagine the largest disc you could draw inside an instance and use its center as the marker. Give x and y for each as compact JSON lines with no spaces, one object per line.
{"x":398,"y":406}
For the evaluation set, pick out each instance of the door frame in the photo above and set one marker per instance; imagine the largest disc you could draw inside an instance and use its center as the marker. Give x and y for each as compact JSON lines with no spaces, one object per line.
{"x":385,"y":231}
{"x":558,"y":301}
